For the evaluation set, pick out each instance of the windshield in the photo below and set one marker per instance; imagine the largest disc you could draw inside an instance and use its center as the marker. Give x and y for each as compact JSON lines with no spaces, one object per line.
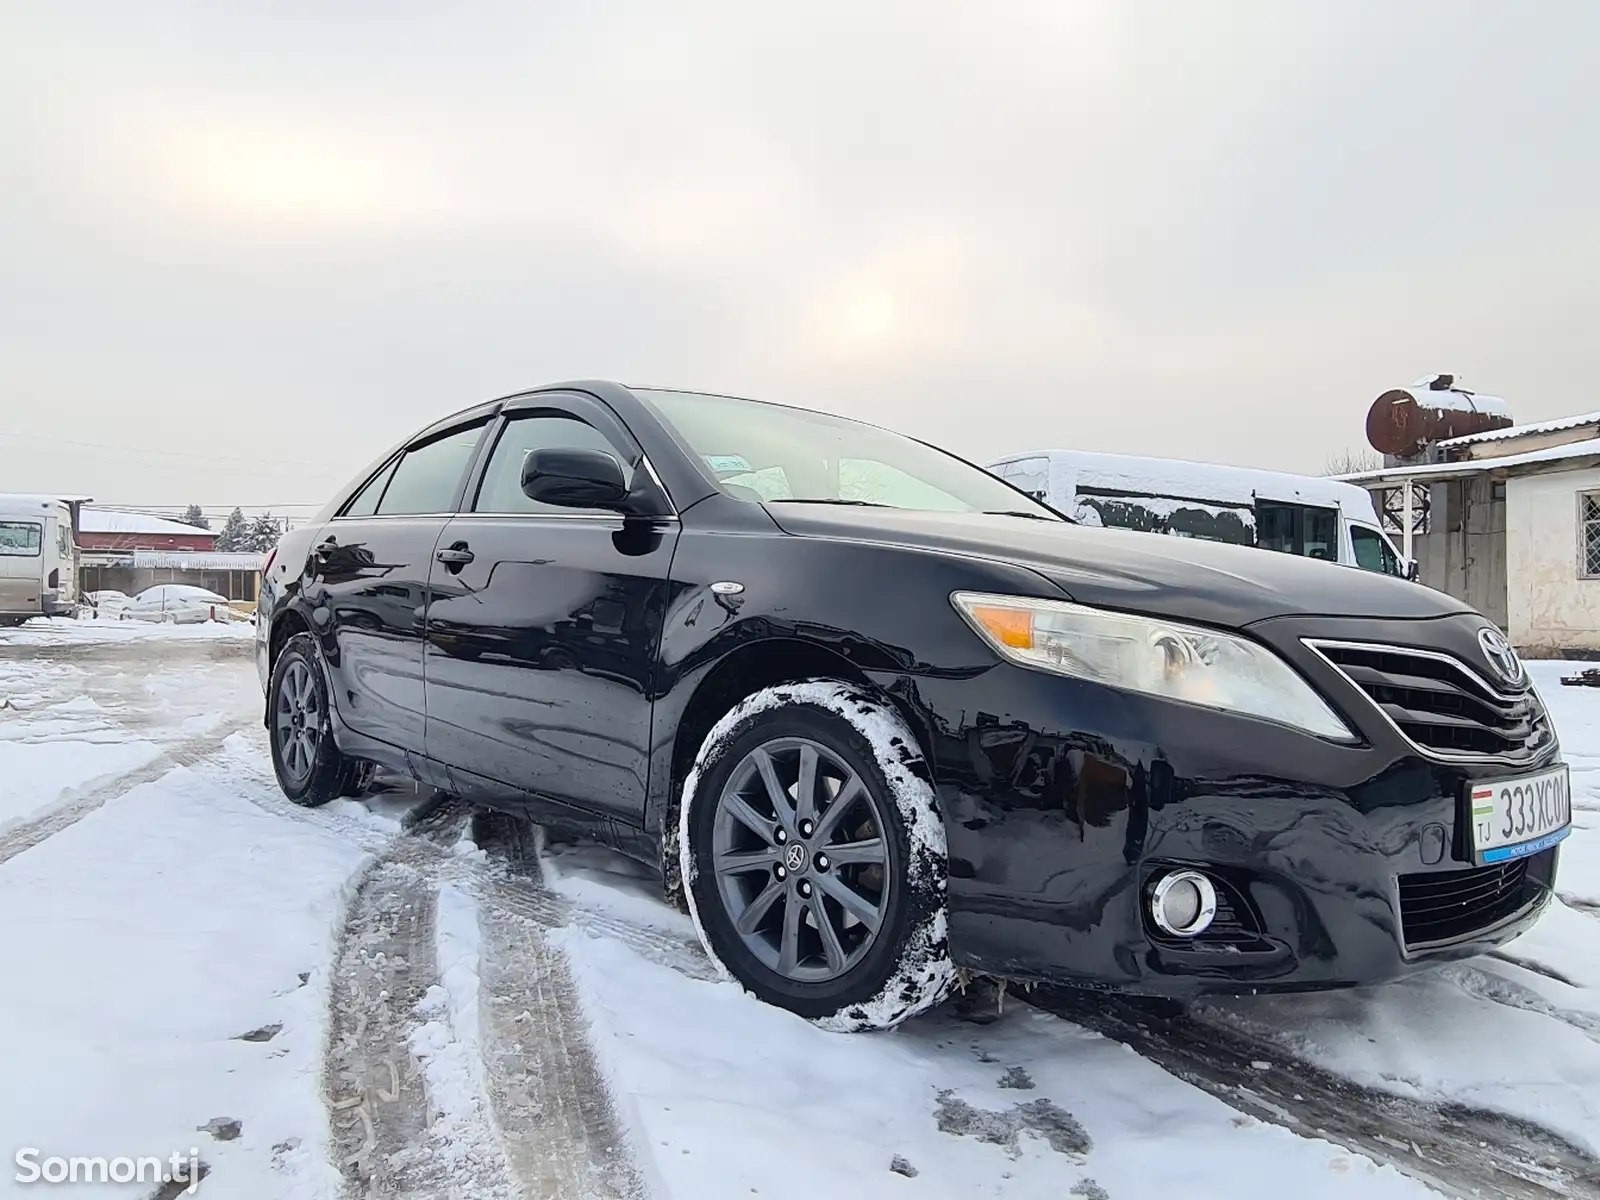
{"x":778,"y":455}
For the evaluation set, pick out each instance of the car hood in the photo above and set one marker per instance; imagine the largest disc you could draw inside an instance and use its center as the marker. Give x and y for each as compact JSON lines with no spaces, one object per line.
{"x":1178,"y":578}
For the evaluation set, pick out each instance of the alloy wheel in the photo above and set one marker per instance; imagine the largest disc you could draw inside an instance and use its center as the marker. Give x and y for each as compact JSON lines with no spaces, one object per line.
{"x":801,"y":860}
{"x":299,"y":721}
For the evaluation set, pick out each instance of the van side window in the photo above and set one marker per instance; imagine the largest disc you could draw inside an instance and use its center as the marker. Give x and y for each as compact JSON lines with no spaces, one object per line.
{"x":21,"y":539}
{"x":1373,"y":553}
{"x":1298,"y":529}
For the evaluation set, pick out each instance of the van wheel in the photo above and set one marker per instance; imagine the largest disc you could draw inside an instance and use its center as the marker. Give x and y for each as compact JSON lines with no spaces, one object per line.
{"x":813,"y":857}
{"x":311,"y":770}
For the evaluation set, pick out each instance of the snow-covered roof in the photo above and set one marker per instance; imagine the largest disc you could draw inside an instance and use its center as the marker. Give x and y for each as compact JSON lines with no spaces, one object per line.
{"x":1231,"y":486}
{"x":105,"y":520}
{"x":1589,"y":448}
{"x":1516,"y":431}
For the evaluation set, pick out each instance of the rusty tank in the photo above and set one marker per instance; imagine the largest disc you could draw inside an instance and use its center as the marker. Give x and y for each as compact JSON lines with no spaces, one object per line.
{"x":1403,"y":422}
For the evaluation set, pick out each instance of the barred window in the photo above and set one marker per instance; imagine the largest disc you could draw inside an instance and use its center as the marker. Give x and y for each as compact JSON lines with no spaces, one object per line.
{"x":1589,"y":534}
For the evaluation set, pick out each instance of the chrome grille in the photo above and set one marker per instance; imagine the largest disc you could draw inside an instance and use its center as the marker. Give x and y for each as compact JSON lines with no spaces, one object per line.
{"x":1442,"y":706}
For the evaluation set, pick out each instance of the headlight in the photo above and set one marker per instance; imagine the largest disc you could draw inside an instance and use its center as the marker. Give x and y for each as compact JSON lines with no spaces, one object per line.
{"x":1159,"y":658}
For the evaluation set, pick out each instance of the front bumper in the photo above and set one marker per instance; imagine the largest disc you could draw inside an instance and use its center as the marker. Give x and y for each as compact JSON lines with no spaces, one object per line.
{"x":1065,"y":801}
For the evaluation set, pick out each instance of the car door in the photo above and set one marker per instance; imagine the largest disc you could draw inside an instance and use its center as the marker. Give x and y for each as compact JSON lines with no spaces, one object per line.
{"x":542,"y":630}
{"x":370,"y":578}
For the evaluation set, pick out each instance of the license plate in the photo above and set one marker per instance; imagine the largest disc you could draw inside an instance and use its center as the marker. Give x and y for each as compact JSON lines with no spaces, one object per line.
{"x":1516,"y":817}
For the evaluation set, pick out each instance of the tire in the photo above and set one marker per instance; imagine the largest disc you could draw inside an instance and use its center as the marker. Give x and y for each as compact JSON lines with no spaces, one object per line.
{"x":311,"y":769}
{"x":876,"y":871}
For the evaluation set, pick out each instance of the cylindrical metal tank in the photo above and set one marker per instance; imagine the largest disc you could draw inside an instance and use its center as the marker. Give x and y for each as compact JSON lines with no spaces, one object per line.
{"x":1404,"y":421}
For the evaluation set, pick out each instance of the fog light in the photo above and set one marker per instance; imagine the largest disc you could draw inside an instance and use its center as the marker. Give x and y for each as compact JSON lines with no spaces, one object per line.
{"x":1183,"y":903}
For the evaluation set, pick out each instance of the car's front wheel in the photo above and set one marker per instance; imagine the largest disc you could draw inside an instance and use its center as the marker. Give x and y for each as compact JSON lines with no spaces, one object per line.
{"x":814,"y":860}
{"x":311,"y":769}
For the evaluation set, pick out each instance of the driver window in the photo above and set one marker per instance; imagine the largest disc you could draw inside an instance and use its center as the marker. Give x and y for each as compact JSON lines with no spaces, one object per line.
{"x":1372,"y":552}
{"x":501,"y":491}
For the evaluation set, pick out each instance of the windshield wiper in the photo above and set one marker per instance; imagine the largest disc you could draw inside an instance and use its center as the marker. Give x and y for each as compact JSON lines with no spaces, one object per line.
{"x":810,"y":500}
{"x":1010,"y":512}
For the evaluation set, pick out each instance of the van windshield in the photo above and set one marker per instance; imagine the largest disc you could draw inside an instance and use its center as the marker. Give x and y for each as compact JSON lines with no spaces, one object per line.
{"x":21,"y":539}
{"x":778,"y":455}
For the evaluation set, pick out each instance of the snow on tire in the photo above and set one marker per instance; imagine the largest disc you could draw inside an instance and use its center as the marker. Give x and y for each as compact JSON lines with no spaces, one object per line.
{"x":813,"y":857}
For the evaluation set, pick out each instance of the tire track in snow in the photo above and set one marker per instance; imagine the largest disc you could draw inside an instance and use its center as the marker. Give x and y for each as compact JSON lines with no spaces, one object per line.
{"x":547,"y":1098}
{"x":381,"y":1118}
{"x":428,"y":849}
{"x":1485,"y":985}
{"x":28,"y":833}
{"x":541,"y":1069}
{"x":1463,"y":1152}
{"x":1578,"y":904}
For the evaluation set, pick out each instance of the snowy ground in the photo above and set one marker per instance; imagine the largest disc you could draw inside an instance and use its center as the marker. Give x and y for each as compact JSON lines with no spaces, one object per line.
{"x":382,"y":994}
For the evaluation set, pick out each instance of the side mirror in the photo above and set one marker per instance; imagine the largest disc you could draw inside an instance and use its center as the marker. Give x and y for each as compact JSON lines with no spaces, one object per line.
{"x":1413,"y":569}
{"x":573,"y":478}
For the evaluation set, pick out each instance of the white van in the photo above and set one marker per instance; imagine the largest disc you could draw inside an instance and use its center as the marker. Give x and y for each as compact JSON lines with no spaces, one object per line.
{"x":38,"y":558}
{"x":1295,"y":514}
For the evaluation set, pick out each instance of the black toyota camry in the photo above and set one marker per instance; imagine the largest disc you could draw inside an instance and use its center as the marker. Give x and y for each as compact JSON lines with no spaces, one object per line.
{"x":877,"y":716}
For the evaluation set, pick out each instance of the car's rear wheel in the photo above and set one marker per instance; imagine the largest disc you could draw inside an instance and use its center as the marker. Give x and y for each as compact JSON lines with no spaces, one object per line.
{"x":814,"y":857}
{"x":311,"y":769}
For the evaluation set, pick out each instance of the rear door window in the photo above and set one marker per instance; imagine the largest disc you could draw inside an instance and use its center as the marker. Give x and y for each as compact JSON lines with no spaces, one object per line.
{"x":365,"y":502}
{"x":427,"y":476}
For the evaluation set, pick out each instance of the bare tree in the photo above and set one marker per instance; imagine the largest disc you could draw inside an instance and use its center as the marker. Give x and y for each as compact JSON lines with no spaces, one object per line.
{"x":1350,"y":462}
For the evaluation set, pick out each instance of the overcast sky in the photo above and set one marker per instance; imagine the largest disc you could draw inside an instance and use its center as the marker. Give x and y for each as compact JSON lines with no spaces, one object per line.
{"x":245,"y":247}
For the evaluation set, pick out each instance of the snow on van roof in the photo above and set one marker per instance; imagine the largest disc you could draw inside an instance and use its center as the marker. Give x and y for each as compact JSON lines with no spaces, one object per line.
{"x":1211,"y":482}
{"x":26,"y":502}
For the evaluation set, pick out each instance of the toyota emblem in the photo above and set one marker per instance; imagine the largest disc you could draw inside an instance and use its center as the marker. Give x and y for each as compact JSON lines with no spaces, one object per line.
{"x":794,"y":857}
{"x":1502,"y":659}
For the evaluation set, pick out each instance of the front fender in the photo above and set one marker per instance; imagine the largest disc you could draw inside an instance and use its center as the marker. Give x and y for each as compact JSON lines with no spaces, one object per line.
{"x":878,"y":614}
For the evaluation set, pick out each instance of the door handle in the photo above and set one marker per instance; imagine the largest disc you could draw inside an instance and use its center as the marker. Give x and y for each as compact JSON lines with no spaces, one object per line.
{"x":456,"y":556}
